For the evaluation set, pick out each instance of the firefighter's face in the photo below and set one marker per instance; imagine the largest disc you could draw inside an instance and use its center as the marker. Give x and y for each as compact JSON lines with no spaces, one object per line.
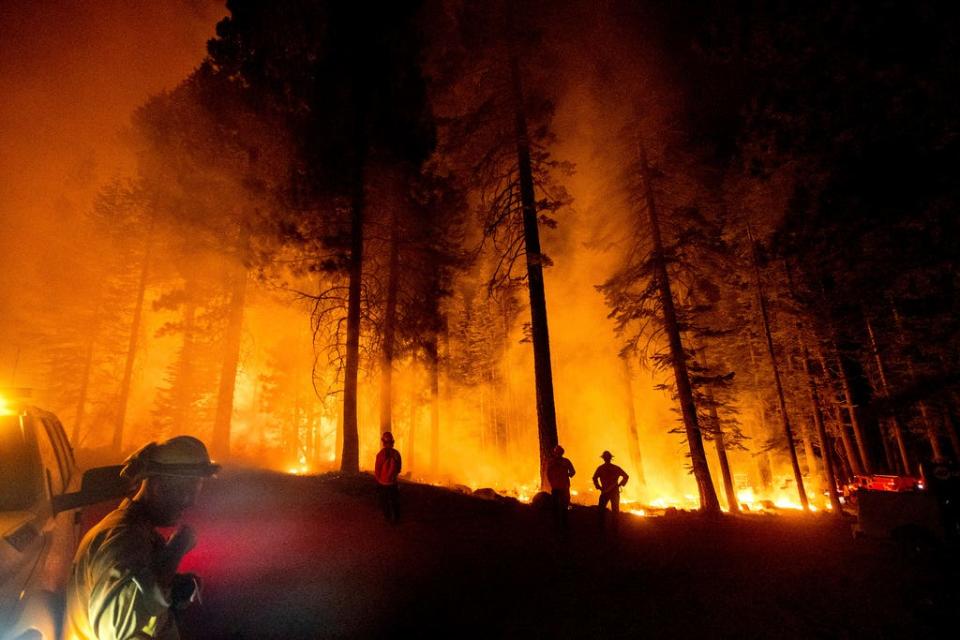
{"x":170,"y":496}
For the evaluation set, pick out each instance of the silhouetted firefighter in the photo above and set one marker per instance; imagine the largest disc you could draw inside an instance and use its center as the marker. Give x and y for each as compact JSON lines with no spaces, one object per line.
{"x":124,"y":581}
{"x":559,"y":472}
{"x":386,"y":470}
{"x":609,"y":479}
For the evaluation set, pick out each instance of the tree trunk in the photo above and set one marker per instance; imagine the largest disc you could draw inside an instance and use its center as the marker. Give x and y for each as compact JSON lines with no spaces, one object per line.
{"x":851,"y":454}
{"x":825,"y":448}
{"x":338,"y":438}
{"x":117,"y":442}
{"x":787,"y":431}
{"x":350,"y":458}
{"x":543,"y":373}
{"x":885,"y":391}
{"x":718,"y":441}
{"x":411,"y":462}
{"x":632,"y":434}
{"x":929,"y":425}
{"x":709,"y":503}
{"x":762,"y":456}
{"x":858,"y":434}
{"x":389,"y":327}
{"x":231,"y":359}
{"x":888,"y":454}
{"x":433,"y":365}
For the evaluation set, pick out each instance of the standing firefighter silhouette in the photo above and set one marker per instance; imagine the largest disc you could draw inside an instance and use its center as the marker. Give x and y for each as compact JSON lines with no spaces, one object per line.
{"x":559,"y":472}
{"x":386,"y":469}
{"x":124,"y":581}
{"x":609,"y":479}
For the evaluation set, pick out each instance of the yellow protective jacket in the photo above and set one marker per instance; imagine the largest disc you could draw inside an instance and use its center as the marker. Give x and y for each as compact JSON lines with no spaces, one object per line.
{"x":113,"y":592}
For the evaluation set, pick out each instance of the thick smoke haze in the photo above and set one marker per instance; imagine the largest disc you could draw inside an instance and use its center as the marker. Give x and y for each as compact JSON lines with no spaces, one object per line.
{"x":74,"y":74}
{"x":71,"y":75}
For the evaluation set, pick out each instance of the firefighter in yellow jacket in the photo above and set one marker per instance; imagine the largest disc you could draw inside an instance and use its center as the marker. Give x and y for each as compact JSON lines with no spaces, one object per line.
{"x":124,"y":580}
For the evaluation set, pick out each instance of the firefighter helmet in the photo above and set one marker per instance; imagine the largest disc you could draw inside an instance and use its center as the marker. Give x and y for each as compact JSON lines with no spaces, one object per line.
{"x":183,"y":456}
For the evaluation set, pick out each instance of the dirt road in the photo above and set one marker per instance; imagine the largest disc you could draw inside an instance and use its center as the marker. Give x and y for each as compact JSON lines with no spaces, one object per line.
{"x":307,"y":557}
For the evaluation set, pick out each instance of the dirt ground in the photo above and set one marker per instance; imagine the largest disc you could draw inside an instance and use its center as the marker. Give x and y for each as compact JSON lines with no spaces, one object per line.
{"x":312,"y":557}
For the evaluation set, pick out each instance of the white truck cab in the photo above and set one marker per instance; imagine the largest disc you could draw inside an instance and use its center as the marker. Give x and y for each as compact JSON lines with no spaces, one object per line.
{"x":37,"y":540}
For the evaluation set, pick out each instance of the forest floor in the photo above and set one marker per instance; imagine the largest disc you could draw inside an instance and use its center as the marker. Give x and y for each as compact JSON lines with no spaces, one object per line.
{"x":306,"y":557}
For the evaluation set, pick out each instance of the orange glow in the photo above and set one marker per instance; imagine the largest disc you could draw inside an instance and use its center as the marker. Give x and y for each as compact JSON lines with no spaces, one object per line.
{"x":73,"y":291}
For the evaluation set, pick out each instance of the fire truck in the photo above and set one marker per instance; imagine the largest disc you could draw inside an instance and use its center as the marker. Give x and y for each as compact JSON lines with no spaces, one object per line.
{"x":920,"y":513}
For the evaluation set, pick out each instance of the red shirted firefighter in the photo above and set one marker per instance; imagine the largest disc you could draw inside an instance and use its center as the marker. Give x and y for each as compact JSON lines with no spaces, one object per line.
{"x":559,"y":472}
{"x":386,"y":470}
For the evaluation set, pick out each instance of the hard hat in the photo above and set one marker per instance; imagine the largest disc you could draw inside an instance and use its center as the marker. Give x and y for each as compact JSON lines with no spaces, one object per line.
{"x":558,"y":450}
{"x":183,"y":456}
{"x":386,"y":437}
{"x":606,"y":455}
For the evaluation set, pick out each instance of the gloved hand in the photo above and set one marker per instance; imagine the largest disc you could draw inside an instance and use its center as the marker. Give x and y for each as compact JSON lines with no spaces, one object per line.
{"x":185,"y":590}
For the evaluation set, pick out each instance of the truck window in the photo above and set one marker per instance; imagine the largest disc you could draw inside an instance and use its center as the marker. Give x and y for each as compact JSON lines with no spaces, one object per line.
{"x":67,"y":448}
{"x":48,"y":456}
{"x":21,"y":476}
{"x":55,"y":431}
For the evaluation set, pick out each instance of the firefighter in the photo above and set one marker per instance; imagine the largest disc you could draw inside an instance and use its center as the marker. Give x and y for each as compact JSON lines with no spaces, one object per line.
{"x":559,"y":472}
{"x":609,"y":479}
{"x":386,"y":470}
{"x":124,"y":581}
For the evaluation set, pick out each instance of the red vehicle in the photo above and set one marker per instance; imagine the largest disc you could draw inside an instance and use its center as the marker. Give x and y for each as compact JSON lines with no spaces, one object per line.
{"x":881,"y":482}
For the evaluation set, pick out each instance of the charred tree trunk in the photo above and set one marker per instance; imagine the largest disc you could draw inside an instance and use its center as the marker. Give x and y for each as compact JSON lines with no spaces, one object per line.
{"x":117,"y":441}
{"x":231,"y":359}
{"x":805,"y":434}
{"x":389,"y":327}
{"x":721,"y":447}
{"x":719,"y":443}
{"x":885,"y":392}
{"x":853,"y":458}
{"x":338,"y":438}
{"x":709,"y":503}
{"x":350,"y":458}
{"x":851,"y":454}
{"x":858,"y":434}
{"x":787,"y":431}
{"x":830,"y":475}
{"x":543,"y":373}
{"x":632,"y":433}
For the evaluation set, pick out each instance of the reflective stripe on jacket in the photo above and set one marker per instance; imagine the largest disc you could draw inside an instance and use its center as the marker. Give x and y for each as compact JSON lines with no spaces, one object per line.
{"x":113,"y":592}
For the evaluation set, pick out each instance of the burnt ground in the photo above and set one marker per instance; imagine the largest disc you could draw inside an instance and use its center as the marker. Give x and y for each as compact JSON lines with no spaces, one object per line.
{"x":305,"y":557}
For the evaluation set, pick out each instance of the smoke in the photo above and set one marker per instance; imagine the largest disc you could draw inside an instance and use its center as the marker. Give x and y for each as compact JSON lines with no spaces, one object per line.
{"x":71,"y":74}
